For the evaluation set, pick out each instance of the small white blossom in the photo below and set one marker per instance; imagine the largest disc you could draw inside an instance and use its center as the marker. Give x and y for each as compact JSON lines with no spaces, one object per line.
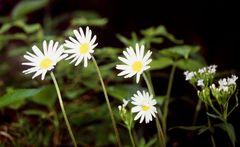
{"x":202,"y":70}
{"x":212,"y":68}
{"x":200,"y":83}
{"x":232,"y":80}
{"x":223,"y":84}
{"x":188,"y":75}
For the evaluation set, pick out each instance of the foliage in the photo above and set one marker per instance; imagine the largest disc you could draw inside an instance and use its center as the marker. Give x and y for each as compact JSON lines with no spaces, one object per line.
{"x":31,"y":105}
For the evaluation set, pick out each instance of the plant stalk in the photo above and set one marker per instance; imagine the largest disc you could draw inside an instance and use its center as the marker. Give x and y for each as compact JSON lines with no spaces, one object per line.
{"x":63,"y":109}
{"x":108,"y":103}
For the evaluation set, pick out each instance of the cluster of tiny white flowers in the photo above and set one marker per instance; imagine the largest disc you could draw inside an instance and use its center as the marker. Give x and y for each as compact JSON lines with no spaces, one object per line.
{"x":189,"y":75}
{"x":225,"y":83}
{"x":202,"y":76}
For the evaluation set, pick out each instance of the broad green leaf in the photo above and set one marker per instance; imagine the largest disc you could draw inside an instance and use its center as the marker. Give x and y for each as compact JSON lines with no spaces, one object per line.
{"x":47,"y":96}
{"x":27,"y":6}
{"x":180,"y":51}
{"x":122,"y":91}
{"x":160,"y":63}
{"x":189,"y":64}
{"x":230,"y":131}
{"x":16,"y":96}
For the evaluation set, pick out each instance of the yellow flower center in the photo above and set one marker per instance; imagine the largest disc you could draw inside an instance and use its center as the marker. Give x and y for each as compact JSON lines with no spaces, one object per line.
{"x":137,"y":66}
{"x":84,"y":48}
{"x":46,"y":63}
{"x":145,"y":108}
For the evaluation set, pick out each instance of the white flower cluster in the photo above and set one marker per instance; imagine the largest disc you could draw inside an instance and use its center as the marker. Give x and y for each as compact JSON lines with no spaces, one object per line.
{"x":202,"y":77}
{"x":224,"y":84}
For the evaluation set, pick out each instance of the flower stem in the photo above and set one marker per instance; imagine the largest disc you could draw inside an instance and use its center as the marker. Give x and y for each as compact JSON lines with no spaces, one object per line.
{"x":165,"y":109}
{"x":197,"y":109}
{"x":209,"y":126}
{"x":131,"y":137}
{"x":161,"y":136}
{"x":63,"y":110}
{"x":108,"y":103}
{"x":149,"y":85}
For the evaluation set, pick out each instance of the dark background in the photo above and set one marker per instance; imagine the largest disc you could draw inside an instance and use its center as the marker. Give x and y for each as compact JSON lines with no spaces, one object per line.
{"x":212,"y":24}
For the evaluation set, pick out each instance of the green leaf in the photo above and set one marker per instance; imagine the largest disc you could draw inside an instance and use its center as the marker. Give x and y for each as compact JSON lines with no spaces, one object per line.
{"x":47,"y":96}
{"x":189,"y":64}
{"x":160,"y":99}
{"x":124,"y":40}
{"x":17,"y":95}
{"x":150,"y":143}
{"x":5,"y":27}
{"x":36,"y":112}
{"x":74,"y":92}
{"x":27,"y":6}
{"x":230,"y":131}
{"x":180,"y":51}
{"x":190,"y":128}
{"x":160,"y":63}
{"x":122,"y":91}
{"x":214,"y":116}
{"x":107,"y":52}
{"x":89,"y":22}
{"x":161,"y":31}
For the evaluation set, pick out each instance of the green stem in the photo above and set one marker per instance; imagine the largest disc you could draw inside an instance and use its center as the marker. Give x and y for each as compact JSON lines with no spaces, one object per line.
{"x":150,"y":87}
{"x":161,"y":136}
{"x":160,"y":133}
{"x":169,"y":89}
{"x":209,"y":126}
{"x":198,"y":108}
{"x":131,"y":137}
{"x":63,"y":110}
{"x":108,"y":103}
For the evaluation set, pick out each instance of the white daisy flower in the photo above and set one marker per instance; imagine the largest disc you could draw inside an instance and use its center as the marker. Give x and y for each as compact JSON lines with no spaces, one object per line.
{"x":82,"y":47}
{"x":144,"y":106}
{"x":135,"y":62}
{"x":41,"y":62}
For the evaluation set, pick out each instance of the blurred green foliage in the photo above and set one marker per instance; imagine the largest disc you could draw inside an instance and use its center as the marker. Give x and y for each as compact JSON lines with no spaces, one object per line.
{"x":31,"y":106}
